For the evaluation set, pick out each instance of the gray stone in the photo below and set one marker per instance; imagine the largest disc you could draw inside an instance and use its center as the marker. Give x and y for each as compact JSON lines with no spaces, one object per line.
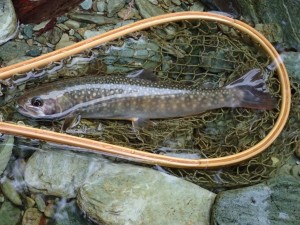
{"x":72,"y":24}
{"x":283,"y":13}
{"x":13,"y":49}
{"x":28,"y":30}
{"x":64,"y":42}
{"x":41,"y":25}
{"x":55,"y":35}
{"x":101,"y":6}
{"x":148,"y":9}
{"x":114,"y":6}
{"x":275,"y":202}
{"x":34,"y":52}
{"x":86,"y":4}
{"x":6,"y":146}
{"x":40,"y":203}
{"x":127,"y":194}
{"x":9,"y":191}
{"x":8,"y":21}
{"x":9,"y":214}
{"x":59,"y":173}
{"x":93,"y":18}
{"x":92,"y":33}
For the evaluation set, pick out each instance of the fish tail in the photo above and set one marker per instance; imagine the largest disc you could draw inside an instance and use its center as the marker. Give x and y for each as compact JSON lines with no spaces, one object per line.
{"x":254,"y":91}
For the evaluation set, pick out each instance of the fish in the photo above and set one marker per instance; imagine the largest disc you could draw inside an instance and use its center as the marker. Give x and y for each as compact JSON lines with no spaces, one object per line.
{"x":138,"y":97}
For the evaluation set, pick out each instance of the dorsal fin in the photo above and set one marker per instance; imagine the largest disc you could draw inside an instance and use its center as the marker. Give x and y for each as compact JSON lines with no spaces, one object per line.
{"x":144,"y":74}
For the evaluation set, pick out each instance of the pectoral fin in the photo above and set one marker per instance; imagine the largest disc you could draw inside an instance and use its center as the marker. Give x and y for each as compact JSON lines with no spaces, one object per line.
{"x":139,"y":123}
{"x":71,"y":121}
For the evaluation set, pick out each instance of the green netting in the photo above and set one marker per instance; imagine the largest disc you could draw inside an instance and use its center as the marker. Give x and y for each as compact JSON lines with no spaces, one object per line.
{"x":200,"y":53}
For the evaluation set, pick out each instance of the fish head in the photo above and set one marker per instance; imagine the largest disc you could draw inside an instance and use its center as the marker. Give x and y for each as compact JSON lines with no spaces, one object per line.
{"x":38,"y":106}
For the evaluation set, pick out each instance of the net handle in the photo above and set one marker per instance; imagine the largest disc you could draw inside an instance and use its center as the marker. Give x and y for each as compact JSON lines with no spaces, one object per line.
{"x":137,"y":155}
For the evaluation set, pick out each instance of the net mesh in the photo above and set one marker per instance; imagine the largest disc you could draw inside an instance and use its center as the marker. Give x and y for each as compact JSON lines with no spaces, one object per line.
{"x":200,"y":53}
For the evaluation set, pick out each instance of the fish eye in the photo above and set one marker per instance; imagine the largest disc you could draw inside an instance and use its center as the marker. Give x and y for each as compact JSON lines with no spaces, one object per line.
{"x":37,"y":102}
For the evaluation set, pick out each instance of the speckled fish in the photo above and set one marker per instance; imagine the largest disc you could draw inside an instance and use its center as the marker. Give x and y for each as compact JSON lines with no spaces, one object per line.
{"x":138,"y":97}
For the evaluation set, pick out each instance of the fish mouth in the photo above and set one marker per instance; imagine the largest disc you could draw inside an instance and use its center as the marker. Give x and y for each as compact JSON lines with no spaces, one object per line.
{"x":28,"y":112}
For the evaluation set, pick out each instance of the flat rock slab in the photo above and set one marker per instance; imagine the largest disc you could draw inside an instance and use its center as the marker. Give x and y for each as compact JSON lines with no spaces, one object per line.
{"x":275,"y":202}
{"x":59,"y":173}
{"x":127,"y":194}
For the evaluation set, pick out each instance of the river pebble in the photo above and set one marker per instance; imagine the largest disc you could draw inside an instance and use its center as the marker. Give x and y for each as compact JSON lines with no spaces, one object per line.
{"x":86,"y":4}
{"x":127,"y":194}
{"x":64,"y":42}
{"x":147,"y":9}
{"x":32,"y":216}
{"x":10,"y":192}
{"x":113,"y":6}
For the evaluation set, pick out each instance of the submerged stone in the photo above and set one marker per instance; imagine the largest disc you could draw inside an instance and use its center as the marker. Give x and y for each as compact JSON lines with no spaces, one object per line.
{"x":283,"y":13}
{"x":9,"y":214}
{"x":32,"y":216}
{"x":276,"y":201}
{"x":147,"y":9}
{"x":127,"y":194}
{"x":9,"y":191}
{"x":6,"y":146}
{"x":59,"y":173}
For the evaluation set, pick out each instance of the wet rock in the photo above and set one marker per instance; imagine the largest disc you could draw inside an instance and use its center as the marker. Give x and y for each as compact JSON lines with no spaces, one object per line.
{"x":283,"y":13}
{"x":197,"y":6}
{"x":6,"y":146}
{"x":8,"y":21}
{"x":67,"y":214}
{"x":148,"y":9}
{"x":127,"y":14}
{"x":114,"y":6}
{"x":9,"y":191}
{"x":276,"y":201}
{"x":43,"y":172}
{"x":34,"y":52}
{"x":291,"y":61}
{"x":101,"y":6}
{"x":89,"y":33}
{"x":29,"y":202}
{"x":55,"y":35}
{"x":9,"y":214}
{"x":40,"y":203}
{"x":41,"y":25}
{"x":86,"y":4}
{"x":127,"y":194}
{"x":64,"y":42}
{"x":72,"y":24}
{"x":93,"y":18}
{"x":28,"y":30}
{"x":13,"y":49}
{"x":32,"y":216}
{"x":272,"y":32}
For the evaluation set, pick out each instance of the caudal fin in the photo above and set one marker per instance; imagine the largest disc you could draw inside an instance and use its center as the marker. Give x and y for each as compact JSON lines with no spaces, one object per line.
{"x":254,"y":93}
